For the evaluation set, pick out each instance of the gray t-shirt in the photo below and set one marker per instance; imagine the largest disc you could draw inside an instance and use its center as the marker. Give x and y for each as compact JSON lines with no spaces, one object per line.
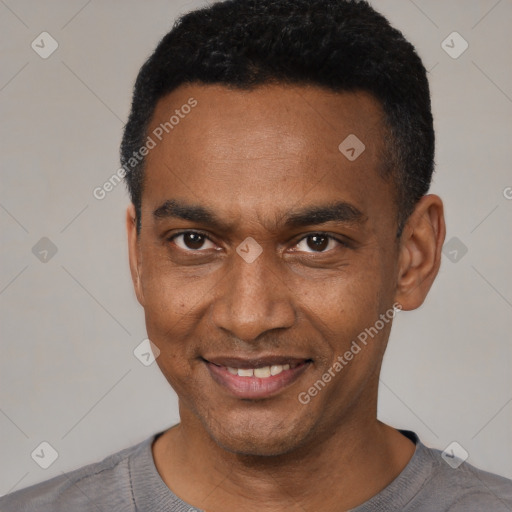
{"x":128,"y":481}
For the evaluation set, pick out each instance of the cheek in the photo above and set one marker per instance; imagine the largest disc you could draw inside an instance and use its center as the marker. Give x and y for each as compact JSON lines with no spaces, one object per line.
{"x":171,"y":313}
{"x":343,"y":308}
{"x":170,"y":294}
{"x":344,"y":302}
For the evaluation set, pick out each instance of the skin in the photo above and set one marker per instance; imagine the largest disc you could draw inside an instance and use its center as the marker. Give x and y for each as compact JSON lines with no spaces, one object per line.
{"x":253,"y":158}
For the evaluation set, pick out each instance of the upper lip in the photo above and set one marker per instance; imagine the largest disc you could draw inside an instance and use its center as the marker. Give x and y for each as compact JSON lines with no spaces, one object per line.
{"x":255,"y":362}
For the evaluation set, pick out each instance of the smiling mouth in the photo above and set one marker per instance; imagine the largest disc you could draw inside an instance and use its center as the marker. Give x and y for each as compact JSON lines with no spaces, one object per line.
{"x":256,"y":379}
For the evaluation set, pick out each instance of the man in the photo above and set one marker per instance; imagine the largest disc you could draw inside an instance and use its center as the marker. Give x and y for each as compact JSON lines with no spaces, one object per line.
{"x":278,"y":156}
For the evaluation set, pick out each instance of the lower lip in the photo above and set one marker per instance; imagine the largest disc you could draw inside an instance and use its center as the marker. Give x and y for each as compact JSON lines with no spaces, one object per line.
{"x":254,"y":387}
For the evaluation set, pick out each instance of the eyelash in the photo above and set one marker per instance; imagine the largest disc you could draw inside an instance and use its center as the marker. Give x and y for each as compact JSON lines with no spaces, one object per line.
{"x":317,"y":233}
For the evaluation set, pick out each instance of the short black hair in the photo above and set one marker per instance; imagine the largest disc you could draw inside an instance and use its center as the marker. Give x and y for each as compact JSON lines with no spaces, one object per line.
{"x":340,"y":45}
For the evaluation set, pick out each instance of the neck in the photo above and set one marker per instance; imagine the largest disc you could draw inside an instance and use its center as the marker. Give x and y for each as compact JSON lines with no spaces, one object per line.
{"x":334,"y":471}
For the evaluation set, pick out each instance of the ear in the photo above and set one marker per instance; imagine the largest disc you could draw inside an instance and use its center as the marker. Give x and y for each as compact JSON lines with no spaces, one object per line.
{"x":420,"y":252}
{"x":134,"y":252}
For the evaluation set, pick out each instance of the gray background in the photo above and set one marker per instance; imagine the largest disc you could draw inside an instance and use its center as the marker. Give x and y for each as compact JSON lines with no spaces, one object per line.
{"x":69,"y":325}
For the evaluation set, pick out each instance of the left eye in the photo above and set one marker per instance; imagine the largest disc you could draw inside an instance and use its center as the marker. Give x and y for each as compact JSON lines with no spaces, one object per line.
{"x":192,"y":241}
{"x":317,"y":243}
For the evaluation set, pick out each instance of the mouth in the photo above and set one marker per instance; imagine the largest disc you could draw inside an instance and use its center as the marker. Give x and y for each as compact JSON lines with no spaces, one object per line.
{"x":256,"y":378}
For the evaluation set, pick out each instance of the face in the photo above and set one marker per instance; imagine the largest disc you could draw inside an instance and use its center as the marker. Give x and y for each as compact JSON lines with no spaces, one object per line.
{"x":264,"y":252}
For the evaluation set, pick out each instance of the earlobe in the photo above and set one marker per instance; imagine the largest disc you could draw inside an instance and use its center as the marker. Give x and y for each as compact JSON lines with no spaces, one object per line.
{"x":134,"y":252}
{"x":420,"y":252}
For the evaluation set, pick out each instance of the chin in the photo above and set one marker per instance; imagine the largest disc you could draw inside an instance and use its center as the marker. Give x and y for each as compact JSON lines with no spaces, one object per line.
{"x":257,"y":446}
{"x":257,"y":437}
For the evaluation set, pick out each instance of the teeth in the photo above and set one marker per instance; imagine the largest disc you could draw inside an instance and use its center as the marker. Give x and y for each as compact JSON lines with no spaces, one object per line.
{"x":276,"y":369}
{"x":261,"y":373}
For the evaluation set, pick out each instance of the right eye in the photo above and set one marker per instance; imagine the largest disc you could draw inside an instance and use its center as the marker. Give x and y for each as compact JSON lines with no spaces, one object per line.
{"x":191,"y":241}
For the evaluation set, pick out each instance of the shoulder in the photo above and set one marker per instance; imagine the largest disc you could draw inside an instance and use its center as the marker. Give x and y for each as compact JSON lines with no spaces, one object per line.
{"x":465,"y":487}
{"x":433,"y":482}
{"x":104,"y":485}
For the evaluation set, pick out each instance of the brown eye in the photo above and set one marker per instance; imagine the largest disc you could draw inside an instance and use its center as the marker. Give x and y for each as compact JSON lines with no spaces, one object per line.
{"x":192,"y":241}
{"x":317,"y":242}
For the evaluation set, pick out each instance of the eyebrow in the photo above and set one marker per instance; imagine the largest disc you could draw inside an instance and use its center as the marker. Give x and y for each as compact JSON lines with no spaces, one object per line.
{"x":194,"y":213}
{"x":340,"y":211}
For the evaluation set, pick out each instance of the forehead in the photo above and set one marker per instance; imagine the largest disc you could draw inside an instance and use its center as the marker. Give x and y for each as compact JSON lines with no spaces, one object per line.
{"x":265,"y":149}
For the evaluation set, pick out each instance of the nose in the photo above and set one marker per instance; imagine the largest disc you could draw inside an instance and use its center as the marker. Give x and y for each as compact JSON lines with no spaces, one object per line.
{"x":253,"y":299}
